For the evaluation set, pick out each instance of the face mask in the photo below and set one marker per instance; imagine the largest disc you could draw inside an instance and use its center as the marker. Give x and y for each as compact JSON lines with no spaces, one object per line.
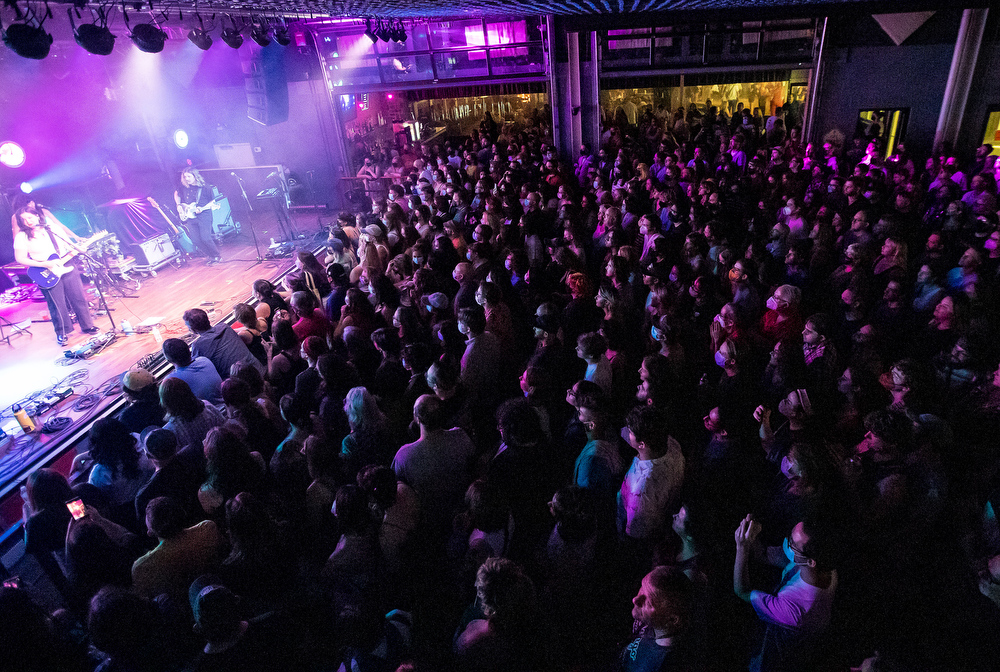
{"x":392,"y":196}
{"x":480,"y":300}
{"x":597,"y":185}
{"x":772,"y":303}
{"x":673,"y":277}
{"x":430,"y":308}
{"x":722,"y":323}
{"x":787,"y":210}
{"x":468,"y":255}
{"x":507,"y":264}
{"x":524,"y":203}
{"x":655,"y":333}
{"x":868,"y":195}
{"x":831,"y":189}
{"x":418,"y":261}
{"x":720,"y":359}
{"x":463,"y":328}
{"x":789,"y":553}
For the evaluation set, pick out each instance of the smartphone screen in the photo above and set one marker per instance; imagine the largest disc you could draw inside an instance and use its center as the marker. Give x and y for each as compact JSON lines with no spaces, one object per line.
{"x":75,"y":507}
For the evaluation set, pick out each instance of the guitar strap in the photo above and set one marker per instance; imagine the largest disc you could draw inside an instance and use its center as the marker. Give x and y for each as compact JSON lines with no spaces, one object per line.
{"x":55,"y":241}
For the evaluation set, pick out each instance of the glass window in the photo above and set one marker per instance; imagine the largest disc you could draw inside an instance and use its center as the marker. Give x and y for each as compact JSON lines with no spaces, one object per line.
{"x":506,"y":32}
{"x":446,"y":34}
{"x":628,"y":46}
{"x":518,"y":61}
{"x":461,"y":64}
{"x":400,"y":69}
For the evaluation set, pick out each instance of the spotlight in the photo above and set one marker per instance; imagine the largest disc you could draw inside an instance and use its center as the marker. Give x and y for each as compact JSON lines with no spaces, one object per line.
{"x":400,"y":35}
{"x":369,"y":32}
{"x":27,"y":41}
{"x":11,"y":154}
{"x":94,"y":37}
{"x":231,"y":36}
{"x":26,"y":187}
{"x":148,"y":38}
{"x":382,"y":32}
{"x":181,"y":138}
{"x":259,"y":34}
{"x":281,"y":36}
{"x":200,"y":38}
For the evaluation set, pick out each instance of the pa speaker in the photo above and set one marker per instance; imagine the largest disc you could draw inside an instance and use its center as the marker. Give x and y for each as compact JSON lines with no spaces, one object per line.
{"x":266,"y":85}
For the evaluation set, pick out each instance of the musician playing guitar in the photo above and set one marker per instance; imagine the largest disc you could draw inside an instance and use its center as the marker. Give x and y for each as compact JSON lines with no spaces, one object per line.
{"x":38,"y":238}
{"x":195,"y":203}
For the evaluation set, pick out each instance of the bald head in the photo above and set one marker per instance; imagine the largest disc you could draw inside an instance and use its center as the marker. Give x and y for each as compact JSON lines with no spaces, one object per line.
{"x":427,"y":412}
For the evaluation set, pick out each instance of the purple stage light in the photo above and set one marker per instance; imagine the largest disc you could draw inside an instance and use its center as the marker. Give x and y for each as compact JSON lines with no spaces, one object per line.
{"x":11,"y":154}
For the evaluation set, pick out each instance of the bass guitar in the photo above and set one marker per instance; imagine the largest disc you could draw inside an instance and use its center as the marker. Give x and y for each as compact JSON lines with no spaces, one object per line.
{"x":190,"y":210}
{"x":47,"y":278}
{"x":180,"y":235}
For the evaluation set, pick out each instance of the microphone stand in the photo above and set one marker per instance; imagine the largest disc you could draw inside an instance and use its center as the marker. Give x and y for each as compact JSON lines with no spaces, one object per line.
{"x":250,"y":217}
{"x":102,"y":302}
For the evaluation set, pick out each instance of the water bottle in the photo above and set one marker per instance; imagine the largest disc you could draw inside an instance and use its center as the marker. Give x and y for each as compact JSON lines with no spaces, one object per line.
{"x":157,"y":336}
{"x":27,"y":424}
{"x":127,"y":327}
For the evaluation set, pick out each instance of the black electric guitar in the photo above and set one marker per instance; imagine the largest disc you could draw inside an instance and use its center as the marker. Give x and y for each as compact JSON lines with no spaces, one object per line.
{"x":47,"y":278}
{"x":190,"y":210}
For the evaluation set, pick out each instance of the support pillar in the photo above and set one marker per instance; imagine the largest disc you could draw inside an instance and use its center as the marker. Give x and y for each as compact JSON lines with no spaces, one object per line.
{"x":963,"y":66}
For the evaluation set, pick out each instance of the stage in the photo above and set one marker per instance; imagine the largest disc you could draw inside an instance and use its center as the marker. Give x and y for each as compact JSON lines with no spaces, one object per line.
{"x":34,"y":362}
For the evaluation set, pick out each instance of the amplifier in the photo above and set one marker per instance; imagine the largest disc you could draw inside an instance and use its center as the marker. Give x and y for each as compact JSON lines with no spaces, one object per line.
{"x":152,"y":251}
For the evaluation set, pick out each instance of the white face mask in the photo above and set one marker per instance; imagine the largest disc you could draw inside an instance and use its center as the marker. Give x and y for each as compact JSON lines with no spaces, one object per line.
{"x":392,"y":196}
{"x":772,"y":303}
{"x":787,"y":210}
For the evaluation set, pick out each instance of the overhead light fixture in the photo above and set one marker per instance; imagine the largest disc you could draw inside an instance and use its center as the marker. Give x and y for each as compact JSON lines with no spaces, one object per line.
{"x":199,"y":36}
{"x":148,"y":37}
{"x":383,"y":32}
{"x":231,"y":36}
{"x":28,"y":41}
{"x":11,"y":154}
{"x":400,"y":34}
{"x":259,"y":34}
{"x":95,"y":37}
{"x":181,"y":138}
{"x":369,"y":32}
{"x":282,"y":36}
{"x":26,"y":187}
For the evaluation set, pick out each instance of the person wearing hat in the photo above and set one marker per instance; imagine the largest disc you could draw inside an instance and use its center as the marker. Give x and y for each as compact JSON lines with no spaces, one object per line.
{"x":437,"y":305}
{"x":179,"y":472}
{"x":143,"y":399}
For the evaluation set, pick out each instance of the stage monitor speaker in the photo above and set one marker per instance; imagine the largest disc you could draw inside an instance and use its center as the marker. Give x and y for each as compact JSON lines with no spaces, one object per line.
{"x":234,"y":155}
{"x":266,"y":84}
{"x":222,"y":219}
{"x":152,"y":251}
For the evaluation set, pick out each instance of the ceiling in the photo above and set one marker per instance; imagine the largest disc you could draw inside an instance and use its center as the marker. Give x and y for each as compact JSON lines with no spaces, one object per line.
{"x":577,"y":8}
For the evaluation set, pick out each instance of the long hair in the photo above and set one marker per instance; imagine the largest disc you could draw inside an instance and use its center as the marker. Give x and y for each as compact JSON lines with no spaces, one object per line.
{"x":21,"y":226}
{"x":363,"y":413}
{"x":199,"y":181}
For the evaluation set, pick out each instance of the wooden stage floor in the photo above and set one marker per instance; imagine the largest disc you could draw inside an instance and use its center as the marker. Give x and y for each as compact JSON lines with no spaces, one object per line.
{"x":34,"y":362}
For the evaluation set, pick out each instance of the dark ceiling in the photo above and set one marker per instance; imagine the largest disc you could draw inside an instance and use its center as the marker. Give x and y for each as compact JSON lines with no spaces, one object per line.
{"x":578,"y":8}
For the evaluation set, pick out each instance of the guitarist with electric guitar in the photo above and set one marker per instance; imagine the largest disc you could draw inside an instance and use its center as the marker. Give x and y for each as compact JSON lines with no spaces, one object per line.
{"x":195,"y":203}
{"x":42,"y":242}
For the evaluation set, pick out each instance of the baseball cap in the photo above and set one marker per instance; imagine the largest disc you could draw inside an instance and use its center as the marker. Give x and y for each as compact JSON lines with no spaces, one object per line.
{"x":136,"y":379}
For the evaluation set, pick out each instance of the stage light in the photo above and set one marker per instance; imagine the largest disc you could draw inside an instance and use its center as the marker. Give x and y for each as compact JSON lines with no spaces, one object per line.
{"x":399,"y":32}
{"x":388,"y":96}
{"x":148,"y":38}
{"x":281,"y":36}
{"x":369,"y":32}
{"x":231,"y":36}
{"x":26,"y":187}
{"x":382,"y":32}
{"x":27,"y":41}
{"x":259,"y":34}
{"x":11,"y":154}
{"x":95,"y":37}
{"x":181,"y":138}
{"x":200,"y":38}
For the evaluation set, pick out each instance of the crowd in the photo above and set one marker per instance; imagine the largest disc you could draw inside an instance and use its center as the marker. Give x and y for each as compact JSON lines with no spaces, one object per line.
{"x":748,"y":384}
